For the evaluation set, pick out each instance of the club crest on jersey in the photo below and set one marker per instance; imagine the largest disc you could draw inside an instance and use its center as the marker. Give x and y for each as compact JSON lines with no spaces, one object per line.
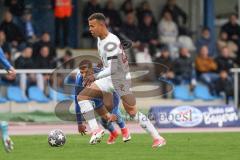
{"x":110,"y":46}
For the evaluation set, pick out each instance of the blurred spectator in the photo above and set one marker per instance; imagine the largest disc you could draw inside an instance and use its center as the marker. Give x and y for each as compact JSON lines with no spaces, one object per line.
{"x":130,"y":31}
{"x":206,"y":67}
{"x":44,"y":62}
{"x":167,"y":61}
{"x":232,"y":29}
{"x":16,"y":7}
{"x":143,"y":9}
{"x":168,"y":74}
{"x":167,"y":30}
{"x":68,"y":62}
{"x":4,"y":44}
{"x":183,"y":68}
{"x":224,"y":61}
{"x":65,"y":60}
{"x":90,"y":7}
{"x":44,"y":41}
{"x":149,"y":34}
{"x":206,"y":40}
{"x":224,"y":85}
{"x":127,"y":7}
{"x":25,"y":61}
{"x":224,"y":42}
{"x":112,"y":14}
{"x":13,"y":33}
{"x":175,"y":11}
{"x":62,"y":13}
{"x":28,"y":27}
{"x":186,"y":41}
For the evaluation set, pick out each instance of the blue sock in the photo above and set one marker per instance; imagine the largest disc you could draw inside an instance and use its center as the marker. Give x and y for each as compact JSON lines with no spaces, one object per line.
{"x":4,"y":128}
{"x":120,"y":120}
{"x":107,"y":125}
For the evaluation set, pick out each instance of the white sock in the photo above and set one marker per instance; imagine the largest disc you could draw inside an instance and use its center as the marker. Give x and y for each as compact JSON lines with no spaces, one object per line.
{"x":146,"y":125}
{"x":87,"y":111}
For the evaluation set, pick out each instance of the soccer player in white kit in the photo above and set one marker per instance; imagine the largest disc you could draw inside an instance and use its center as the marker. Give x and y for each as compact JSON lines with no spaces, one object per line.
{"x":112,"y":78}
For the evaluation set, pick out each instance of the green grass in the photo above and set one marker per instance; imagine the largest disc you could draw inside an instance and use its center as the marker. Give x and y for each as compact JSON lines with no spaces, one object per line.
{"x":43,"y":117}
{"x":195,"y":146}
{"x":36,"y":116}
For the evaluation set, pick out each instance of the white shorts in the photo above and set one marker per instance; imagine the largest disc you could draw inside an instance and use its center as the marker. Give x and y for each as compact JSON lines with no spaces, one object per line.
{"x":122,"y":87}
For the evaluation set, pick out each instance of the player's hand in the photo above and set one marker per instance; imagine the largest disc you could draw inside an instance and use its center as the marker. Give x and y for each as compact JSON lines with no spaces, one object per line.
{"x":112,"y":118}
{"x":89,"y":80}
{"x":12,"y":73}
{"x":82,"y":129}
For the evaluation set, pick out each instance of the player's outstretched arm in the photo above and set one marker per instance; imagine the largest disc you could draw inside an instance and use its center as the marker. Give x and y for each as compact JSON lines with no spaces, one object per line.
{"x":4,"y":61}
{"x":9,"y":68}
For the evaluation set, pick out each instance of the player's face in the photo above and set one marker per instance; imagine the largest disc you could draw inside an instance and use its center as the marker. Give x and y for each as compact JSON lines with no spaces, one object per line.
{"x":84,"y":71}
{"x":94,"y":27}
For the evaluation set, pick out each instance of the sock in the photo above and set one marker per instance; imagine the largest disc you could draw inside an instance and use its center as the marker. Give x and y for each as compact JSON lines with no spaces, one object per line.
{"x":146,"y":125}
{"x":114,"y":133}
{"x":107,"y":125}
{"x":120,"y":121}
{"x":4,"y":128}
{"x":87,"y":111}
{"x":121,"y":124}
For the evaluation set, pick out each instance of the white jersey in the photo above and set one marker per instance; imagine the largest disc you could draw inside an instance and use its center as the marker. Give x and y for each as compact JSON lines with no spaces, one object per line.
{"x":115,"y":66}
{"x":110,"y":50}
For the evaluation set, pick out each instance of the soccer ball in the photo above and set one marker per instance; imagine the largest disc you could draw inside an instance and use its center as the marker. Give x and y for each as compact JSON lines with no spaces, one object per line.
{"x":56,"y":138}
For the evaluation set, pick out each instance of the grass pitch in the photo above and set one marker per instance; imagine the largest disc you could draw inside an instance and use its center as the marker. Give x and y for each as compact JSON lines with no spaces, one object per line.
{"x":190,"y":146}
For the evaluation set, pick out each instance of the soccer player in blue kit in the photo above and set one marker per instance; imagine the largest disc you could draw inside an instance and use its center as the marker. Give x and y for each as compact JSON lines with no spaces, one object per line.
{"x":7,"y":142}
{"x":86,"y":67}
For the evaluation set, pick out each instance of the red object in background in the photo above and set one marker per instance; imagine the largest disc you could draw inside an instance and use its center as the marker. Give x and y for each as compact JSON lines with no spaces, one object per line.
{"x":63,"y":8}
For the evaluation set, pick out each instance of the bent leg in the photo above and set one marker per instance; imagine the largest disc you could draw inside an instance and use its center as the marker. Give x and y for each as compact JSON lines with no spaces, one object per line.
{"x":130,"y":107}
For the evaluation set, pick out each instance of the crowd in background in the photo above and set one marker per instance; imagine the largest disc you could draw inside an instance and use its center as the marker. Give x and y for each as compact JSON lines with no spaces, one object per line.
{"x":164,"y":39}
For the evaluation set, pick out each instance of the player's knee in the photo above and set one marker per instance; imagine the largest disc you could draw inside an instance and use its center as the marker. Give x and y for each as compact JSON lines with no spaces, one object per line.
{"x":81,"y":98}
{"x":108,"y":105}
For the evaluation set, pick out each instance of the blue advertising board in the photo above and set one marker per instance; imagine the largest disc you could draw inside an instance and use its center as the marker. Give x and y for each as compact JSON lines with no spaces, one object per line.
{"x":198,"y":116}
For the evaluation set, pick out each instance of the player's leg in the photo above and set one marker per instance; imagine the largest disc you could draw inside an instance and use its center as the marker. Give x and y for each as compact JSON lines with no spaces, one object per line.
{"x":7,"y":142}
{"x":103,"y":111}
{"x":129,"y":103}
{"x":113,"y":132}
{"x":87,"y":111}
{"x":121,"y":123}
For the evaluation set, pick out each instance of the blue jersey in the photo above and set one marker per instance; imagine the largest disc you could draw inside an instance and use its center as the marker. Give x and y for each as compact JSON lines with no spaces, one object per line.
{"x":4,"y":61}
{"x":97,"y":102}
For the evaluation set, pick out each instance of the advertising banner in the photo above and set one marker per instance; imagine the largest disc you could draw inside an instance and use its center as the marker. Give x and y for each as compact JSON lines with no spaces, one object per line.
{"x":190,"y":116}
